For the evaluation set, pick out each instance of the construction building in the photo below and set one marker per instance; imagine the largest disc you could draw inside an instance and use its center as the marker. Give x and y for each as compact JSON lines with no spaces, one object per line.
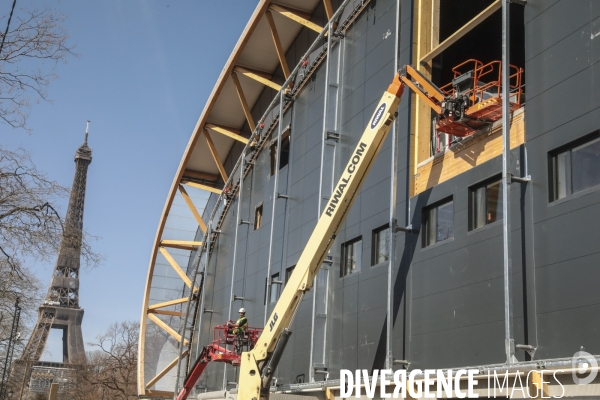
{"x":431,"y":269}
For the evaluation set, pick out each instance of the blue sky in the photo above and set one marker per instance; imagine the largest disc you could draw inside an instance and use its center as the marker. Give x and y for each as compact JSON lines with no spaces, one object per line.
{"x":144,"y":72}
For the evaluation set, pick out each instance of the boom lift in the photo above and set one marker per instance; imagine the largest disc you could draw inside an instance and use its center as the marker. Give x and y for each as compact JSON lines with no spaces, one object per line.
{"x":461,"y":112}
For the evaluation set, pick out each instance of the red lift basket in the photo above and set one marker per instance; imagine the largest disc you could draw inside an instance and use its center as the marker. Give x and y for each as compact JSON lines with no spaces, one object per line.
{"x":226,"y":347}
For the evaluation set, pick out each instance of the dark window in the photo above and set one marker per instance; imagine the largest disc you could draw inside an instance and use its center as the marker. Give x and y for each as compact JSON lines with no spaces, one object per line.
{"x":258,"y":212}
{"x":439,"y":223}
{"x":381,"y":245}
{"x":576,"y":168}
{"x":284,"y":154}
{"x":486,"y":204}
{"x":288,"y":273}
{"x":266,"y":290}
{"x":351,"y":256}
{"x":273,"y":157}
{"x":274,"y":294}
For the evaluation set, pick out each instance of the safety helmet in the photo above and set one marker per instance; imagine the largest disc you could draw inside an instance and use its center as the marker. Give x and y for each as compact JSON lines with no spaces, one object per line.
{"x":242,"y":310}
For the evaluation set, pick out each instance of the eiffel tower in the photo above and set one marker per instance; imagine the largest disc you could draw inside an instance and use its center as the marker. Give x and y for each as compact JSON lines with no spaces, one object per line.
{"x":61,"y":309}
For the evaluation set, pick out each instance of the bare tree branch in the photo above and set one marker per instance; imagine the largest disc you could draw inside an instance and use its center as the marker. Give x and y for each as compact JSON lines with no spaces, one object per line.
{"x":111,"y":369}
{"x":33,"y":47}
{"x":30,"y":226}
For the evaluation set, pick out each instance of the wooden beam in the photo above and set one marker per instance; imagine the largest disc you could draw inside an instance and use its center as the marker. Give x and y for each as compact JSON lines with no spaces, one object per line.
{"x":192,"y":207}
{"x":201,"y":186}
{"x":462,"y":31}
{"x":164,"y":312}
{"x":165,"y":370}
{"x":281,"y":9}
{"x":328,"y":9}
{"x":258,"y":76}
{"x":435,"y":23}
{"x":231,"y":132}
{"x":200,"y":175}
{"x":176,"y":267}
{"x":278,"y":46}
{"x":180,"y":244}
{"x":296,"y":15}
{"x":163,"y":325}
{"x":213,"y":151}
{"x":245,"y":107}
{"x":253,"y":71}
{"x":168,"y":303}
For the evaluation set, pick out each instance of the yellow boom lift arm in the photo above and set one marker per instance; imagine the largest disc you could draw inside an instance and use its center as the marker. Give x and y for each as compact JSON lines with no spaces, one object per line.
{"x":258,"y":365}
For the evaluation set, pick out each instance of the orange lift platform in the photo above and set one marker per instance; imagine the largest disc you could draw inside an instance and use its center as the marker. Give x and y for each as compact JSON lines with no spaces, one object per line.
{"x":472,"y":100}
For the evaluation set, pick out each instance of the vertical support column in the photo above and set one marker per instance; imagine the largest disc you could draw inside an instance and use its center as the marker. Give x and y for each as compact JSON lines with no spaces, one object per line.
{"x":423,"y":14}
{"x":274,"y":201}
{"x":288,"y":191}
{"x":389,"y":354}
{"x":509,"y":344}
{"x":235,"y":242}
{"x":324,"y":138}
{"x":325,"y":104}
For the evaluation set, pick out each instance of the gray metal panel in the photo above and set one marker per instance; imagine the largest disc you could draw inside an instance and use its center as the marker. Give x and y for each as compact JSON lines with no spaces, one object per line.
{"x":460,"y":347}
{"x":370,"y":295}
{"x":452,"y":310}
{"x":578,"y":48}
{"x":550,"y":110}
{"x":568,"y":285}
{"x":370,"y":333}
{"x":556,"y":23}
{"x":582,"y":228}
{"x":562,"y":333}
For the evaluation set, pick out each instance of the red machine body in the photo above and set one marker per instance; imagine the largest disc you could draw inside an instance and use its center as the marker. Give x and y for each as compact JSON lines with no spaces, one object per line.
{"x":226,"y":347}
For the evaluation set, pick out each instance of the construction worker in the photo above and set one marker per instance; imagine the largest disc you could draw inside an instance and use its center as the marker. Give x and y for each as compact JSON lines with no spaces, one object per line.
{"x":241,"y":324}
{"x":239,"y":330}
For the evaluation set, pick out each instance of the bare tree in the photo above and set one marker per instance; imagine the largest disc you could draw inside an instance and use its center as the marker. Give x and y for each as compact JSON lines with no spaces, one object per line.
{"x":30,"y":226}
{"x":29,"y":290}
{"x":111,"y":369}
{"x":33,"y":46}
